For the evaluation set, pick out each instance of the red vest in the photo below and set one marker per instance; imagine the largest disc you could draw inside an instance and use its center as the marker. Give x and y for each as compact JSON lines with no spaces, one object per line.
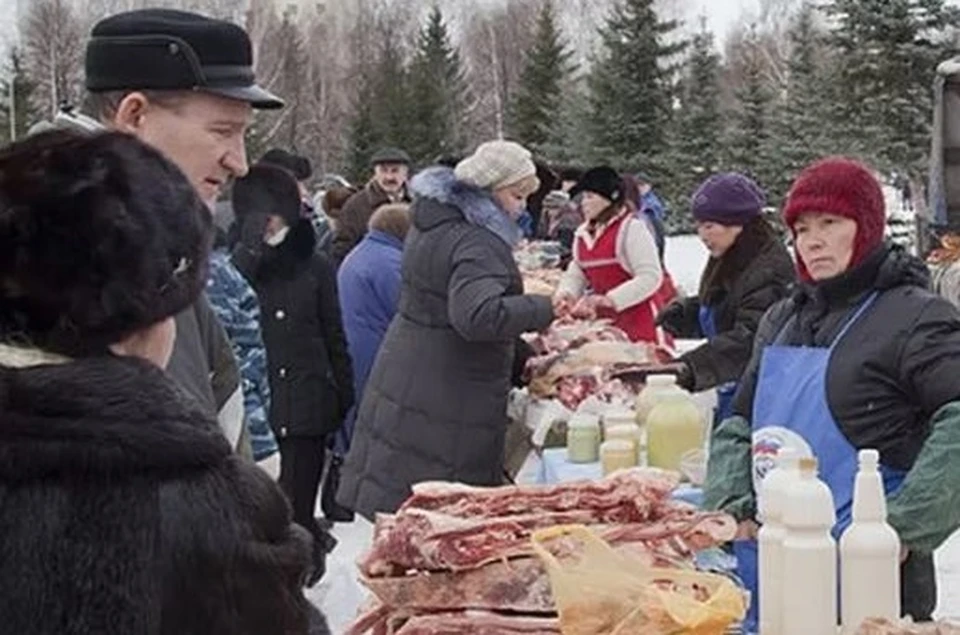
{"x":605,"y":271}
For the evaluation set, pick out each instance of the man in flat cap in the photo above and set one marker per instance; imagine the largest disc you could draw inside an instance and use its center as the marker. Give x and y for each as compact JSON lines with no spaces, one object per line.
{"x":184,"y":84}
{"x":391,"y":167}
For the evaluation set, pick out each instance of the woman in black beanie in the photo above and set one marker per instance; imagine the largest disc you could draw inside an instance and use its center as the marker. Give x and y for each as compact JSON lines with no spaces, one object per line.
{"x":122,"y":508}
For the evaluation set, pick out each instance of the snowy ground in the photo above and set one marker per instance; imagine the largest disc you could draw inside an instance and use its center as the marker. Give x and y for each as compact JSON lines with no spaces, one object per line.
{"x":340,"y":594}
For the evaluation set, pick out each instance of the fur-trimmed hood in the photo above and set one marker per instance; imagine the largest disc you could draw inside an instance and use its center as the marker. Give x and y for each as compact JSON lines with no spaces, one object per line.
{"x":476,"y":205}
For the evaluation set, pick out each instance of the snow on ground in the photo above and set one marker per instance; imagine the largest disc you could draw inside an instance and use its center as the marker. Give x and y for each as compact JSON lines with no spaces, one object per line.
{"x":686,"y":257}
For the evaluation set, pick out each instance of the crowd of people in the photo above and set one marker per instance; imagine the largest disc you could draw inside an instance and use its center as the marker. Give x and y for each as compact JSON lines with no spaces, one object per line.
{"x":194,"y":351}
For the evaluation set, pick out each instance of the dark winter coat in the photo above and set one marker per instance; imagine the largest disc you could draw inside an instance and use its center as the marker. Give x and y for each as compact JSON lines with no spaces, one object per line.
{"x":891,"y":385}
{"x":311,"y":380}
{"x":435,"y":403}
{"x":754,"y":274}
{"x":909,"y":341}
{"x":369,"y":286}
{"x":123,"y":511}
{"x":355,"y":216}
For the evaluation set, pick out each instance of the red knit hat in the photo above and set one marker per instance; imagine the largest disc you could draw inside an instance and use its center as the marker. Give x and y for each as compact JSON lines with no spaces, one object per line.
{"x":844,"y":187}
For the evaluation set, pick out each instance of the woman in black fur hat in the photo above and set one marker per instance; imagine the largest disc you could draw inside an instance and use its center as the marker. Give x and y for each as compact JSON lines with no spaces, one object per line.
{"x":122,"y":508}
{"x":311,"y":379}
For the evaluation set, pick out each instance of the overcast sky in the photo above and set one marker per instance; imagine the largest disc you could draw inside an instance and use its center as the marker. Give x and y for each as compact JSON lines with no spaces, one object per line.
{"x":721,"y":14}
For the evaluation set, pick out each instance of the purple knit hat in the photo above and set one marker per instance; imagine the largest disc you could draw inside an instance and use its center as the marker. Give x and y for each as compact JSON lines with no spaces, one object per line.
{"x":728,"y":198}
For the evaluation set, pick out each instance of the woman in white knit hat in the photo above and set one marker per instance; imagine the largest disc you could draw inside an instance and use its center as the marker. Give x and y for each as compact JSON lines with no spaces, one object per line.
{"x":435,"y":405}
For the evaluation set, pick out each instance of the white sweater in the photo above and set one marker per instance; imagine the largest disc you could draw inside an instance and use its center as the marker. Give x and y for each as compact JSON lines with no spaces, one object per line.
{"x":638,"y":255}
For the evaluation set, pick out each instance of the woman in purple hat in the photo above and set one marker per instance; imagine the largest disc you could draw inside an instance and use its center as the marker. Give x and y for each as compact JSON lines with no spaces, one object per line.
{"x":749,"y":270}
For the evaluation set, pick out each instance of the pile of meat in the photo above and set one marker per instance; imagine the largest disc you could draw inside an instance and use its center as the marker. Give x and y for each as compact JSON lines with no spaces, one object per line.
{"x":461,"y":557}
{"x":578,"y":359}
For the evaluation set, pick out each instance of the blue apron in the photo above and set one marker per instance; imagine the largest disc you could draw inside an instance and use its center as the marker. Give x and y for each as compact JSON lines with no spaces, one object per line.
{"x":790,"y":409}
{"x":725,"y":392}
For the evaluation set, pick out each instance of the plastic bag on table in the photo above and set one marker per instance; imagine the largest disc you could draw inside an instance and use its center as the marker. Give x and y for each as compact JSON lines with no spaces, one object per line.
{"x":602,"y":591}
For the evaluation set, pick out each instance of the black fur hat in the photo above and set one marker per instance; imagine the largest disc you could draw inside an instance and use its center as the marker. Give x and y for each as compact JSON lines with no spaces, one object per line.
{"x":602,"y":180}
{"x":102,"y":236}
{"x":266,"y":190}
{"x":297,"y":165}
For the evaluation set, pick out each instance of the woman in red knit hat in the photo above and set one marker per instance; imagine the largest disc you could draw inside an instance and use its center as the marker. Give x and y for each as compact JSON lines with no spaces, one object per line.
{"x":862,"y":355}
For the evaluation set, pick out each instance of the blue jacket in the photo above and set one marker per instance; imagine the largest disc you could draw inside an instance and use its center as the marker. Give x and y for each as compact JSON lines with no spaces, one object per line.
{"x":237,"y":308}
{"x":650,"y":203}
{"x":369,"y":287}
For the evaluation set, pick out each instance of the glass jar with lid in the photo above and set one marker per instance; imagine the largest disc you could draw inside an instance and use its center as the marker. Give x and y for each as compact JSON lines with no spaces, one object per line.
{"x":583,"y":438}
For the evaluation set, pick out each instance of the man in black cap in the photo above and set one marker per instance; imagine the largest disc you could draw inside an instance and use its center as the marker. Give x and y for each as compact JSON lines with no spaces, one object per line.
{"x":391,"y":168}
{"x":184,"y":84}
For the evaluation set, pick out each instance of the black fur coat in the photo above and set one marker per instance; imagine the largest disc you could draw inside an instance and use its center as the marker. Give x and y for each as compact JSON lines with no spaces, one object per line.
{"x":123,"y":511}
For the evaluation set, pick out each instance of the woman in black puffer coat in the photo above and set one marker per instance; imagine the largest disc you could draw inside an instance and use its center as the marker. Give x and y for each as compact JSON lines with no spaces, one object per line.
{"x":749,"y":271}
{"x":311,"y":380}
{"x":123,"y":510}
{"x":435,"y":406}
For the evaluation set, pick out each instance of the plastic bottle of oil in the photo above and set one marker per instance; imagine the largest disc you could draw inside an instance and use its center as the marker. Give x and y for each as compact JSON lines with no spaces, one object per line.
{"x":773,"y":492}
{"x":869,"y":552}
{"x":809,"y":556}
{"x":675,"y":426}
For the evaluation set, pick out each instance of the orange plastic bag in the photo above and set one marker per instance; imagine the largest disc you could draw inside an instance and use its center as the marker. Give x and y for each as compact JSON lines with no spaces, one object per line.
{"x":602,"y":591}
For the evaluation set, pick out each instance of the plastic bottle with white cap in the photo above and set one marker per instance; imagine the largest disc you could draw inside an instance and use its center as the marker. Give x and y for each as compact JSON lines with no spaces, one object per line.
{"x":773,"y":492}
{"x":809,"y":570}
{"x":869,"y":552}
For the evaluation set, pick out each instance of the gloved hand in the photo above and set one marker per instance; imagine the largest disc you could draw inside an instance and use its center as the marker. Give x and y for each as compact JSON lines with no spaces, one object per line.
{"x":671,"y":317}
{"x":685,"y":378}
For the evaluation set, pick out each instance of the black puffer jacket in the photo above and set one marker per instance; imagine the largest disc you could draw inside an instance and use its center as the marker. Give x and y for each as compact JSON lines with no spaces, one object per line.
{"x":885,"y":379}
{"x":435,"y":406}
{"x":311,"y":380}
{"x":754,"y":274}
{"x":123,"y":510}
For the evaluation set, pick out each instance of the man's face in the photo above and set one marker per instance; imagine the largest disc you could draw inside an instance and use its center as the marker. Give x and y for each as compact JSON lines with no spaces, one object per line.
{"x":390,"y":176}
{"x":202,"y":134}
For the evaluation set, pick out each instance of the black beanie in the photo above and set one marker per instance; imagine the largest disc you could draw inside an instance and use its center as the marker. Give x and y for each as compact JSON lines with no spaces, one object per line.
{"x":102,"y":237}
{"x":602,"y":180}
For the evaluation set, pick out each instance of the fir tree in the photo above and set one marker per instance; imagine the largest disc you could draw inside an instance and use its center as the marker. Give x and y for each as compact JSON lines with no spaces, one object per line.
{"x":381,"y":110}
{"x":888,"y":52}
{"x":699,"y":129}
{"x":391,"y":96}
{"x":436,"y":109}
{"x":749,"y":142}
{"x":538,"y":102}
{"x":363,"y":134}
{"x":570,"y":141}
{"x":803,"y":130}
{"x":631,"y":86}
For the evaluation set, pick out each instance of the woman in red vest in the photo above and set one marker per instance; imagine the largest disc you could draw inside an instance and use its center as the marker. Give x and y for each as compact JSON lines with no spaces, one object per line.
{"x":615,"y":258}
